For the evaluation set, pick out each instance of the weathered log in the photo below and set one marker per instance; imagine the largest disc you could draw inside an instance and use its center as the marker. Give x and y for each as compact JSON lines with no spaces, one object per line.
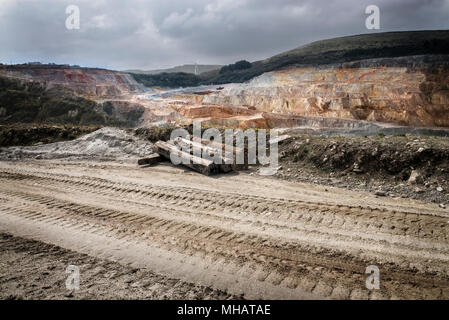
{"x":198,"y":164}
{"x":235,"y":153}
{"x":225,"y":165}
{"x":228,"y":164}
{"x":150,"y":160}
{"x":190,"y":145}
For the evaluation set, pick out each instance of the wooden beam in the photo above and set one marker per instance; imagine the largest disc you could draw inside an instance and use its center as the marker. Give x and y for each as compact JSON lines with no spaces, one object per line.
{"x":150,"y":160}
{"x":198,"y":164}
{"x":226,"y":165}
{"x":231,"y":165}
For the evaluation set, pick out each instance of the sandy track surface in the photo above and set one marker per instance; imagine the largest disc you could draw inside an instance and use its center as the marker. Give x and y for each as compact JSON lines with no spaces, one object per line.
{"x":238,"y":233}
{"x":31,"y":269}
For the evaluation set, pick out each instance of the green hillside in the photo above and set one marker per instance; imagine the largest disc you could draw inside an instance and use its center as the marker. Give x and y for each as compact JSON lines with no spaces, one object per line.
{"x":337,"y":50}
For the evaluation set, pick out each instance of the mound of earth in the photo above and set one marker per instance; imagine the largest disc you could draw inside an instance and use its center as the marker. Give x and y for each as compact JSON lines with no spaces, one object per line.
{"x":393,"y":155}
{"x":103,"y":143}
{"x":406,"y":166}
{"x":28,"y":135}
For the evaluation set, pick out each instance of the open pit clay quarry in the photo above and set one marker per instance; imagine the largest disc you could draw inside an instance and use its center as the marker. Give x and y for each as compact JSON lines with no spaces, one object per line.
{"x":363,"y":180}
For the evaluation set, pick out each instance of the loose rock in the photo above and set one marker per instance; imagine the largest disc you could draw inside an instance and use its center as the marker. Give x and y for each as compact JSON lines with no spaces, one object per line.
{"x":415,"y":178}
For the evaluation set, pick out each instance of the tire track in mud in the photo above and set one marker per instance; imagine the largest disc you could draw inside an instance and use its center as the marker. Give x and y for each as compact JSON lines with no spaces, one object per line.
{"x":346,"y":217}
{"x":278,"y":242}
{"x":36,"y":270}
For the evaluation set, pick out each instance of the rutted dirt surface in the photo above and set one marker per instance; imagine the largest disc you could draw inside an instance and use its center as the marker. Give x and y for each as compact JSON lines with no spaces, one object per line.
{"x":241,"y":234}
{"x":34,"y":270}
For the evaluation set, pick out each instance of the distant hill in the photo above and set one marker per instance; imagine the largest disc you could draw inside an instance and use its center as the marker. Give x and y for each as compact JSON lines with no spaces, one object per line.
{"x":336,"y":50}
{"x":186,"y":68}
{"x":345,"y":49}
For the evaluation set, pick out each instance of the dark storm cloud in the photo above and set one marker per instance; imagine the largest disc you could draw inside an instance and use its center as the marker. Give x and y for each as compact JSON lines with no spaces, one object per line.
{"x":162,"y":33}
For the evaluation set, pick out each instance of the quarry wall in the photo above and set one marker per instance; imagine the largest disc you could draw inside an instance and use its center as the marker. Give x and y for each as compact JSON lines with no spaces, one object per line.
{"x":83,"y":81}
{"x":415,"y":95}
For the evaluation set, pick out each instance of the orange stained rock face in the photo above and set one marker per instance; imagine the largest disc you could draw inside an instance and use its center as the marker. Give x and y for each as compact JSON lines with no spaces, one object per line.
{"x":83,"y":81}
{"x":397,"y":95}
{"x":386,"y":94}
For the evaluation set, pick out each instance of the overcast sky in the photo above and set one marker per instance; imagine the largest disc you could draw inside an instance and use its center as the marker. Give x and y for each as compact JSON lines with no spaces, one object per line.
{"x":149,"y":34}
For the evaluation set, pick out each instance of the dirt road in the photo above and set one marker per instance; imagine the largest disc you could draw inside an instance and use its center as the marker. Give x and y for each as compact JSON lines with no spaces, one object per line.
{"x":238,"y":233}
{"x":31,"y":269}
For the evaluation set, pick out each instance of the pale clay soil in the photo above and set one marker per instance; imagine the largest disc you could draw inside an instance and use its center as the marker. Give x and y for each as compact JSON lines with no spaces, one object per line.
{"x":164,"y":232}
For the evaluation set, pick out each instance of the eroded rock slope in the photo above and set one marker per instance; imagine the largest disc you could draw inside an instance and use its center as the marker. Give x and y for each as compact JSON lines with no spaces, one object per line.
{"x":409,"y":91}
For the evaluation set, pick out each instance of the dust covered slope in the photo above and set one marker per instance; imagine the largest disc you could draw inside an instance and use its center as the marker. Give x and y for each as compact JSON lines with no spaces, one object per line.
{"x":103,"y":143}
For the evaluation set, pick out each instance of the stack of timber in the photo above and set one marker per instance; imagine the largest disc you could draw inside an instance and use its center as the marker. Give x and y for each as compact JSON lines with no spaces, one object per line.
{"x":204,"y":156}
